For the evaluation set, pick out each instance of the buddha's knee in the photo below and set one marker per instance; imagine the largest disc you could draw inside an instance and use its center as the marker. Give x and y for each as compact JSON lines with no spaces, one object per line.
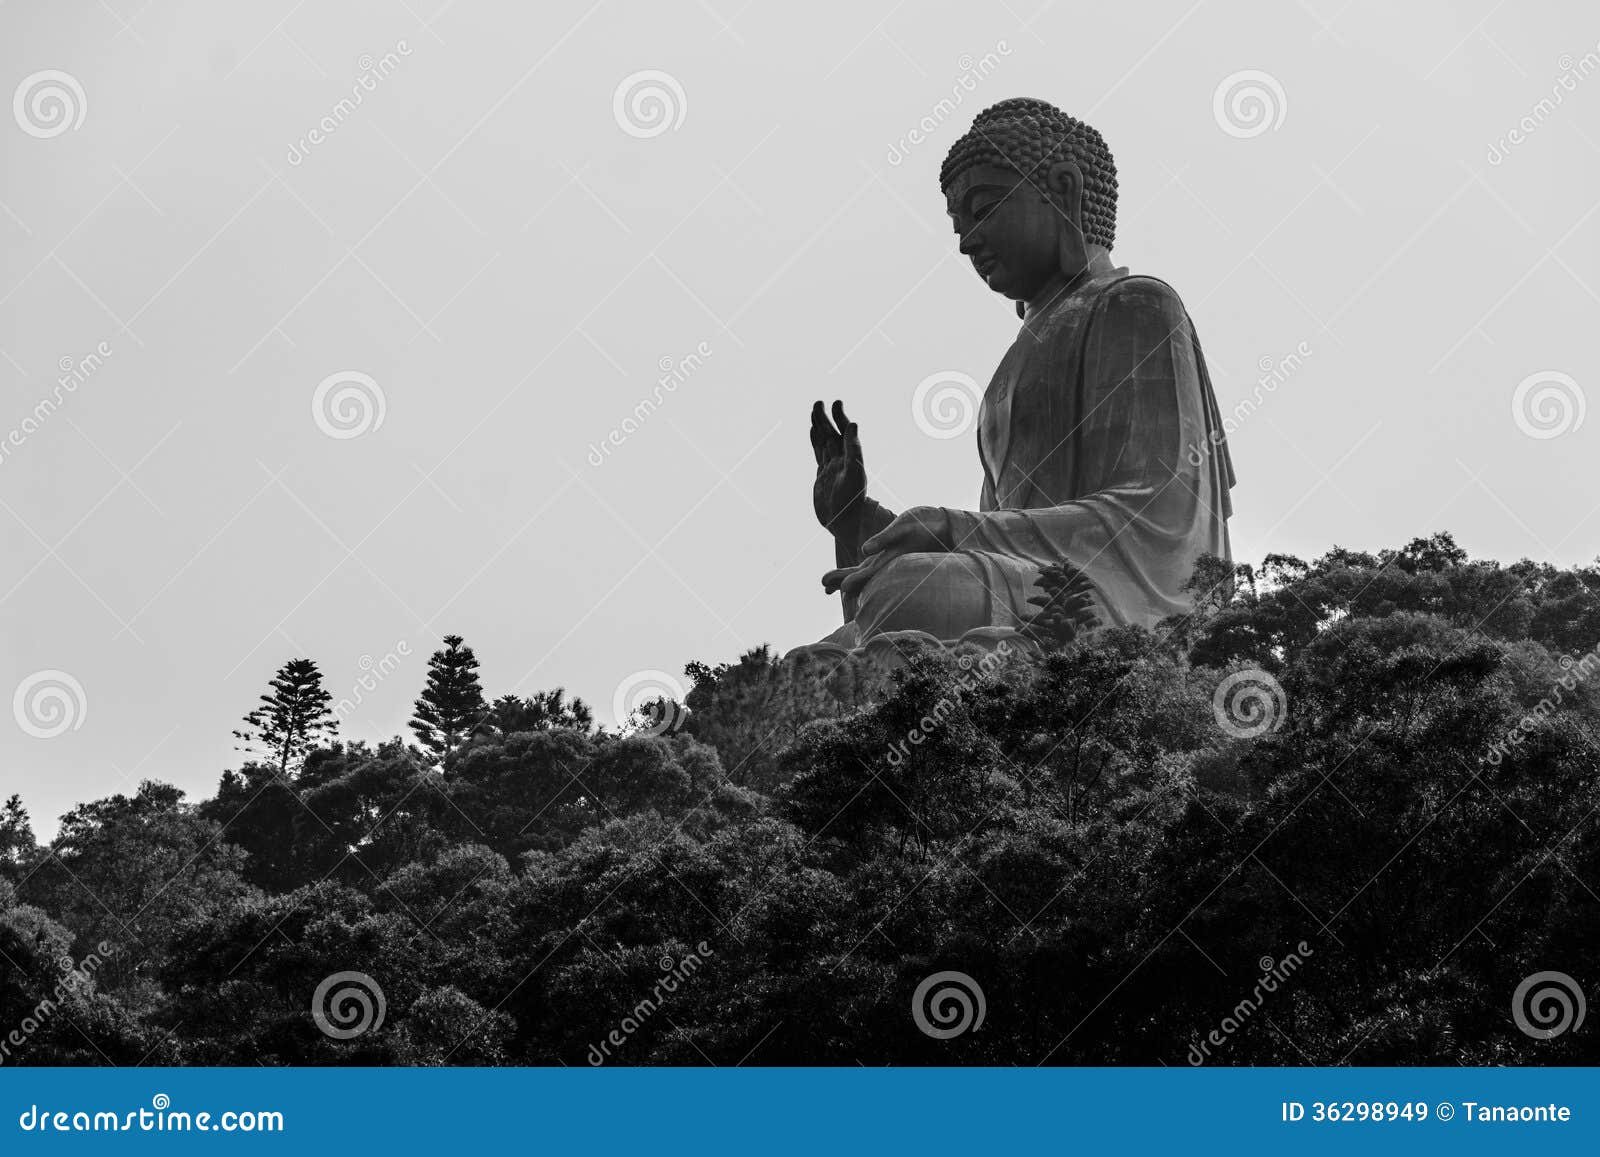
{"x":942,"y":594}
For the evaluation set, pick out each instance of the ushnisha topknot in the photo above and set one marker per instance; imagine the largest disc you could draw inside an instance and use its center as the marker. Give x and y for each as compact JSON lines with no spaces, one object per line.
{"x":1031,"y":135}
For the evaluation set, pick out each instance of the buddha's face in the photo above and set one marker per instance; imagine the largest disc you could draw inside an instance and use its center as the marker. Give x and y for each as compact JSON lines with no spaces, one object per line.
{"x":1010,"y":230}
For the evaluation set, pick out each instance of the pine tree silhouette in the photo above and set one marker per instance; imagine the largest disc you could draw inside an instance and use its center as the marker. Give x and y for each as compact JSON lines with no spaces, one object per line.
{"x":451,"y":707}
{"x":1066,"y":607}
{"x":293,"y":717}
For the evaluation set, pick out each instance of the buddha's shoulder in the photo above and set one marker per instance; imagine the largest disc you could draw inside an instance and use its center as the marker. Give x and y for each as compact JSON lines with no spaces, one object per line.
{"x":1121,"y":292}
{"x":1116,"y":299}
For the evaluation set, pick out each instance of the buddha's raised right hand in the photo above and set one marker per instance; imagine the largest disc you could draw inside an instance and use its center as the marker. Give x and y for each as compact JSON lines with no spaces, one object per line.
{"x":839,"y":494}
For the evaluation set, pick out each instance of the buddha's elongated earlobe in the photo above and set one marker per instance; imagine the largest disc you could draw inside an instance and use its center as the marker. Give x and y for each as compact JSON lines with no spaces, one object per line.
{"x":1072,"y":248}
{"x":1072,"y":251}
{"x":1066,"y":186}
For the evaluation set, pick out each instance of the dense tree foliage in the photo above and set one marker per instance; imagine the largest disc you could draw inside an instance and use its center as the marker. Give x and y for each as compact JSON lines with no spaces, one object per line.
{"x":541,"y":711}
{"x":1399,"y":824}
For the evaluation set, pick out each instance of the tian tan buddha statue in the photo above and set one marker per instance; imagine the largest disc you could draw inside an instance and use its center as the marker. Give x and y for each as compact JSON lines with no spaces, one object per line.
{"x":1099,"y":436}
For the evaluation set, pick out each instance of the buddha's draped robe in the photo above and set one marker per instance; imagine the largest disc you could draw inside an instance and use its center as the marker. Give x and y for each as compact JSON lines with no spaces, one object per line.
{"x":1101,"y":445}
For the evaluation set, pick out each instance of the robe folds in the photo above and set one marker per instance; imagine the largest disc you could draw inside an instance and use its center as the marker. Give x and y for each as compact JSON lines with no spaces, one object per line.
{"x":1101,"y":445}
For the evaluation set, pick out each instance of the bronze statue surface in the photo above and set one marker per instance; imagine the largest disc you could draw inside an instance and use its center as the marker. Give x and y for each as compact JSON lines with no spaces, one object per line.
{"x":1099,"y":436}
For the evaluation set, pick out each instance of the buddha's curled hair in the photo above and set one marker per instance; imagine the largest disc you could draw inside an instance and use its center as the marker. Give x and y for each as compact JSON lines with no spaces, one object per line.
{"x":1030,"y":136}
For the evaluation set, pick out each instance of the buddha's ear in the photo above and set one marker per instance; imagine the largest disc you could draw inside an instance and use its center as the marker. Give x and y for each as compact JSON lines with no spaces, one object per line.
{"x":1065,"y":182}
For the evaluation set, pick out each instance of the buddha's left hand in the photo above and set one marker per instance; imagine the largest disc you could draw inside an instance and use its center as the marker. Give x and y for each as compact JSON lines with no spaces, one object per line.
{"x":851,"y":579}
{"x":919,"y":530}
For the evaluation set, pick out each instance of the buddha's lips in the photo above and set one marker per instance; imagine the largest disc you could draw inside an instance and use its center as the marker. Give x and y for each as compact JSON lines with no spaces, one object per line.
{"x":986,"y":266}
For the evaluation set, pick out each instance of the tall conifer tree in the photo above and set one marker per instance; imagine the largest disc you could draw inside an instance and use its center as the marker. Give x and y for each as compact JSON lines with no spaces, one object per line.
{"x":293,"y":717}
{"x":451,"y":706}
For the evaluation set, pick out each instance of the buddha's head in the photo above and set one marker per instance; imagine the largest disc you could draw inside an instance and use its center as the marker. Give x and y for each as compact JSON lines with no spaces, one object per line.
{"x":1032,"y":193}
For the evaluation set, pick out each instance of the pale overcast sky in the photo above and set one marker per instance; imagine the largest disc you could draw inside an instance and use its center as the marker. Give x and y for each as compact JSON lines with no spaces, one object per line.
{"x":510,"y":254}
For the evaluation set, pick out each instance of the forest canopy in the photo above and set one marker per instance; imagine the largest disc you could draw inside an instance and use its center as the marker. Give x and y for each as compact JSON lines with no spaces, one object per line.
{"x":1381,"y":768}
